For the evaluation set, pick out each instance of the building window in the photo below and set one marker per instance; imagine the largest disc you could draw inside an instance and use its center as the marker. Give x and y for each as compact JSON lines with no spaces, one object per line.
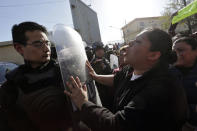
{"x":141,"y":23}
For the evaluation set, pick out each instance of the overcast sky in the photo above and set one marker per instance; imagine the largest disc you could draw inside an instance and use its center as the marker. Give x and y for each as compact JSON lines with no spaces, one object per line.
{"x":112,"y":14}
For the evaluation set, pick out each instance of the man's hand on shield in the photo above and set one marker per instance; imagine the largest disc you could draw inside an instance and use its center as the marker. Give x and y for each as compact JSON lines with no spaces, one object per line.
{"x":78,"y":92}
{"x":91,"y":71}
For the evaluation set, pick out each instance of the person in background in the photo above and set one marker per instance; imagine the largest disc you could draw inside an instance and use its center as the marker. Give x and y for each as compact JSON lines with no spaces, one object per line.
{"x":122,"y":63}
{"x":185,"y":68}
{"x":99,"y":62}
{"x":147,"y":99}
{"x":102,"y":66}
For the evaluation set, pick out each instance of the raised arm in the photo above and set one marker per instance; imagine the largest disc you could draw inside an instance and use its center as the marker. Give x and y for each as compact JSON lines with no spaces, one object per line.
{"x":107,"y":80}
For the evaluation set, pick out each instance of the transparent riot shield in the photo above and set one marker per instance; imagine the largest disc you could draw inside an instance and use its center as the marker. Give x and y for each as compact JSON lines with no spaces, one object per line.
{"x":70,"y":52}
{"x":72,"y":57}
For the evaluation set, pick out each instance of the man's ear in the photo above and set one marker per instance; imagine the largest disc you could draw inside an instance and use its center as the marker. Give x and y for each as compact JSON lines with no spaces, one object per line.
{"x":155,"y":55}
{"x":19,"y":48}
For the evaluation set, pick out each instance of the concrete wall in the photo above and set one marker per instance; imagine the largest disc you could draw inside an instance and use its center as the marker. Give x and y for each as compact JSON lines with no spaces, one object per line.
{"x":85,"y":21}
{"x":8,"y":53}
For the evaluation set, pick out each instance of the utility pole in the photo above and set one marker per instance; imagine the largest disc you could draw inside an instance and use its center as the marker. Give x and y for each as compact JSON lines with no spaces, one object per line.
{"x":188,"y":20}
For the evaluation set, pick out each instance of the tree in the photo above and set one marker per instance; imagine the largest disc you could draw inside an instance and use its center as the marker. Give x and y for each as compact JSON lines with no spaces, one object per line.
{"x":171,"y":7}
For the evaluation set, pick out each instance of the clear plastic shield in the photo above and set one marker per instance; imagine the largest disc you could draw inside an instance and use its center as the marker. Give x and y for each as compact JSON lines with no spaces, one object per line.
{"x":70,"y":52}
{"x":72,"y":57}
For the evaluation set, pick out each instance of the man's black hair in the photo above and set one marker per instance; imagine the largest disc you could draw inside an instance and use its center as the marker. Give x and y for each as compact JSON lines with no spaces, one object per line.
{"x":188,"y":40}
{"x":160,"y":41}
{"x":18,"y":31}
{"x":97,"y":45}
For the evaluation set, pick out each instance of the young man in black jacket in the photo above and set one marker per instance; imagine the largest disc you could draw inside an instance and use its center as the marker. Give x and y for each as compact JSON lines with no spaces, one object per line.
{"x":147,"y":99}
{"x":32,"y":98}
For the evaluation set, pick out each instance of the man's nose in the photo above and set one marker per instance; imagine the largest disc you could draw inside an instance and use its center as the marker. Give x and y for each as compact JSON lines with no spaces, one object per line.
{"x":46,"y":47}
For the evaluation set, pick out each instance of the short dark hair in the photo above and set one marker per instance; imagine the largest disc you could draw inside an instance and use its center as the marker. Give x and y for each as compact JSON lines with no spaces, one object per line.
{"x":188,"y":40}
{"x":18,"y":31}
{"x":97,"y":46}
{"x":160,"y":41}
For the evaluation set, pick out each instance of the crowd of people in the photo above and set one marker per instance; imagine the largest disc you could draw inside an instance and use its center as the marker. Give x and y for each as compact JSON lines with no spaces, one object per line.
{"x":153,"y":89}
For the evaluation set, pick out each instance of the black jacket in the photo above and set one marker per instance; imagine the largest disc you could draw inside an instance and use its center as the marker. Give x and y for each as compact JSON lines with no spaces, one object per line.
{"x":188,"y":77}
{"x":33,"y":100}
{"x":154,"y":102}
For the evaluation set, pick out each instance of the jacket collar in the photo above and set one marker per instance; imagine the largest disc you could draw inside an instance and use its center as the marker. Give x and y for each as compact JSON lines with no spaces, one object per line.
{"x":157,"y":71}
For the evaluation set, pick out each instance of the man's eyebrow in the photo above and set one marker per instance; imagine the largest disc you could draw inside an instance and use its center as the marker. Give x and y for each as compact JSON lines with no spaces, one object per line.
{"x":40,"y":41}
{"x":37,"y":41}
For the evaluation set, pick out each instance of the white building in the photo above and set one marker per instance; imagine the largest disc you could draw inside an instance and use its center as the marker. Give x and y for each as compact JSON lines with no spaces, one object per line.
{"x":9,"y":54}
{"x":134,"y":27}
